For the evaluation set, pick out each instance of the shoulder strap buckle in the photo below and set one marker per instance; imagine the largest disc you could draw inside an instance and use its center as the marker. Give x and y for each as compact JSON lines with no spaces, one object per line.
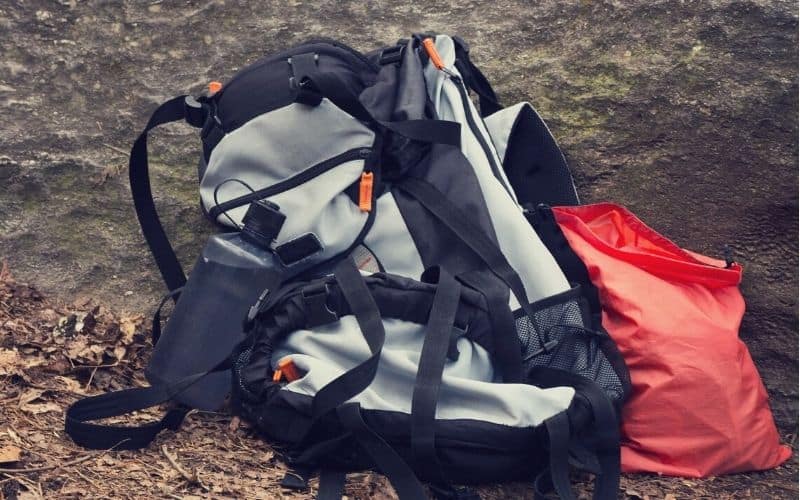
{"x":315,"y":300}
{"x":392,"y":55}
{"x":195,"y":112}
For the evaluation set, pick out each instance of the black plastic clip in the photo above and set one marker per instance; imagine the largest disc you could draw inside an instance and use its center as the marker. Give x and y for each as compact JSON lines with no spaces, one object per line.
{"x":392,"y":55}
{"x":194,"y":111}
{"x":255,"y":309}
{"x":315,"y":300}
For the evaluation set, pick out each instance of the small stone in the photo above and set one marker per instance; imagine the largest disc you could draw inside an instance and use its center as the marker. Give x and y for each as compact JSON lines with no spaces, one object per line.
{"x":129,"y":293}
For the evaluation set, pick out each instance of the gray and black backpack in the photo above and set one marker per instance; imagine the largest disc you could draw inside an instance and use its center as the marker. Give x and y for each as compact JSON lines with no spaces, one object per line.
{"x":412,"y":321}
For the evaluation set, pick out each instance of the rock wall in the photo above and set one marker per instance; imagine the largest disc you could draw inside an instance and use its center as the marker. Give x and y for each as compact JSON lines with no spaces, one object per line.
{"x":686,"y":112}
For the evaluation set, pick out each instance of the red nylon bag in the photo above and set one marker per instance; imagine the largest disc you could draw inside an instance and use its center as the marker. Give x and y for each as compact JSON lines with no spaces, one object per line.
{"x":698,"y":407}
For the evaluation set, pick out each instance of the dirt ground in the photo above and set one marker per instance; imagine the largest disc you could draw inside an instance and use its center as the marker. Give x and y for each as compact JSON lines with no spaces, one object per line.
{"x":686,"y":112}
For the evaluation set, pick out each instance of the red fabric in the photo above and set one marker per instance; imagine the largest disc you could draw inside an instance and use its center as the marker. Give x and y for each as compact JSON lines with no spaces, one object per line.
{"x":698,"y":406}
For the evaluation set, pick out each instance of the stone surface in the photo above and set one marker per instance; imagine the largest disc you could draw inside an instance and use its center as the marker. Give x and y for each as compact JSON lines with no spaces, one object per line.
{"x":686,"y":112}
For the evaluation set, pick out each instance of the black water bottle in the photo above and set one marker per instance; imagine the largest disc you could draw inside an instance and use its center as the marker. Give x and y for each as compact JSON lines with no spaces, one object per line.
{"x":206,"y":324}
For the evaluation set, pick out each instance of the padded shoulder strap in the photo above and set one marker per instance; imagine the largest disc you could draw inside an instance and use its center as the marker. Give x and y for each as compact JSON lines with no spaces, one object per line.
{"x":178,"y":108}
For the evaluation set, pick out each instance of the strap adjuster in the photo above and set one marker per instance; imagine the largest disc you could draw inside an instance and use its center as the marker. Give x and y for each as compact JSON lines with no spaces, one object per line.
{"x":315,"y":300}
{"x":194,"y":111}
{"x":392,"y":55}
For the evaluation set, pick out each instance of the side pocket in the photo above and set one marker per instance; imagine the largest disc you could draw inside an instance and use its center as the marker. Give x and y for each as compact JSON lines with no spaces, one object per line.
{"x":558,"y":337}
{"x":532,"y":160}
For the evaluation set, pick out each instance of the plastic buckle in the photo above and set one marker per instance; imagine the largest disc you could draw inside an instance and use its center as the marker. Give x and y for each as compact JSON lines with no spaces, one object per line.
{"x":392,"y":55}
{"x":315,"y":300}
{"x":194,"y":111}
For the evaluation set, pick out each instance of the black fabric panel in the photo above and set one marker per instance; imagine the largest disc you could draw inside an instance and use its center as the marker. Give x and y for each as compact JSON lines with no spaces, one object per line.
{"x":534,"y":164}
{"x":264,"y":85}
{"x":469,"y":451}
{"x":448,"y":170}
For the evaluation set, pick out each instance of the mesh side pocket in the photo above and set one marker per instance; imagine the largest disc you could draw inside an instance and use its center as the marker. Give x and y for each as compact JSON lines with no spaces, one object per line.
{"x":557,"y":337}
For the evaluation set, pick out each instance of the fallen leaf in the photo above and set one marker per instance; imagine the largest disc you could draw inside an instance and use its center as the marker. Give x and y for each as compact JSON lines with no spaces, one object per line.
{"x":29,"y":395}
{"x":14,"y":436}
{"x":9,"y":453}
{"x":10,"y":362}
{"x":26,"y":402}
{"x":70,"y":384}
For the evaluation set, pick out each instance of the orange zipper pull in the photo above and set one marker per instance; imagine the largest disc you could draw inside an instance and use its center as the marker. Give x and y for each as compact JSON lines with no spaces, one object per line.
{"x":365,"y":192}
{"x":288,"y":369}
{"x":435,"y":58}
{"x":430,"y":49}
{"x":277,"y":375}
{"x":214,"y":87}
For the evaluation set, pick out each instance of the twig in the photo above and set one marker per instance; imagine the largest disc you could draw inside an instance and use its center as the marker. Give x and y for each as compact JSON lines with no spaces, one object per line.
{"x":191,"y":479}
{"x":68,"y":463}
{"x":87,"y":479}
{"x":114,"y":148}
{"x":91,"y":377}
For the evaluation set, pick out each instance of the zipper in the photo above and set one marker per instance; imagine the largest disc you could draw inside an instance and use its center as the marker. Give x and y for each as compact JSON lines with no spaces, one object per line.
{"x":291,"y":182}
{"x":490,"y":157}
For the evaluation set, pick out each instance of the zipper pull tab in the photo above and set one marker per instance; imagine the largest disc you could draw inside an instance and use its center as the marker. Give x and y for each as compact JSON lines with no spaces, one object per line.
{"x":436,"y":59}
{"x":365,"y":192}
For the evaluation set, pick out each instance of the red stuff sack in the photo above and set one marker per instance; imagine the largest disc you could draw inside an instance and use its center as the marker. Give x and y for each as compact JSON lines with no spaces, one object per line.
{"x":698,"y":407}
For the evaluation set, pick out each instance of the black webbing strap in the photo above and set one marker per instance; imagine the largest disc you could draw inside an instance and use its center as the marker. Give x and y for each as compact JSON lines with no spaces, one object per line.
{"x":403,"y":480}
{"x":156,"y":329}
{"x":598,"y":429}
{"x":470,"y":233}
{"x":114,"y":404}
{"x":475,"y":79}
{"x":559,"y":433}
{"x":606,"y":442}
{"x":508,"y":354}
{"x":429,"y":372}
{"x":366,"y":312}
{"x":331,"y":484}
{"x":331,"y":86}
{"x":171,"y":271}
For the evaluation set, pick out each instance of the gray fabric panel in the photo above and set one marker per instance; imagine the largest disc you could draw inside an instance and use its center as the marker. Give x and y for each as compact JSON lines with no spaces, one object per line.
{"x":391,"y":241}
{"x":469,"y":389}
{"x":500,"y":124}
{"x":278,"y":145}
{"x":517,"y":240}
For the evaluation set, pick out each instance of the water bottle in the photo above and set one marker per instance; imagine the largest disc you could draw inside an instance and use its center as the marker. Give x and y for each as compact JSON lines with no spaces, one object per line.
{"x":229,"y":276}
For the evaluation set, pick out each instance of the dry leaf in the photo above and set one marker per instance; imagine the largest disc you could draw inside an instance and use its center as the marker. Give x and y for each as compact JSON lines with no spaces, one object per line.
{"x":36,"y":409}
{"x":9,"y":453}
{"x":127,"y":326}
{"x":70,"y":384}
{"x":26,"y":402}
{"x":14,"y":436}
{"x":10,"y":362}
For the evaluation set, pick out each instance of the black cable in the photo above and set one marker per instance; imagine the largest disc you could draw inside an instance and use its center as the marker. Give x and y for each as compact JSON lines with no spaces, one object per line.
{"x":216,"y":200}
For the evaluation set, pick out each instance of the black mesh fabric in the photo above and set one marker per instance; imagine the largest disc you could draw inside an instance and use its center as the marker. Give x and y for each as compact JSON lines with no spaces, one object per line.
{"x":557,"y":338}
